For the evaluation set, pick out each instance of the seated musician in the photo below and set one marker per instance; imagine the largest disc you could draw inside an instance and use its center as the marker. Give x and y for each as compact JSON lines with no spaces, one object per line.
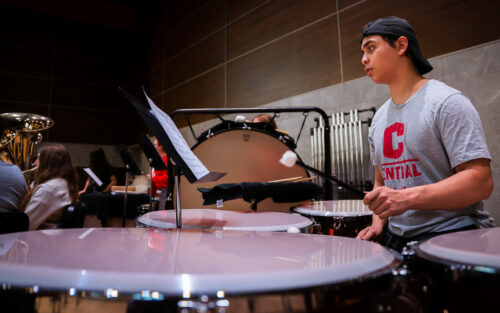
{"x":103,"y":170}
{"x":54,"y":188}
{"x":12,"y":187}
{"x":12,"y":183}
{"x":160,"y":178}
{"x":432,"y":165}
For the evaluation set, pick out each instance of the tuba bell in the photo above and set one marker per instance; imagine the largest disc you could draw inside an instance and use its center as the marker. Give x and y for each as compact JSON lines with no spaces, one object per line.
{"x":20,"y":134}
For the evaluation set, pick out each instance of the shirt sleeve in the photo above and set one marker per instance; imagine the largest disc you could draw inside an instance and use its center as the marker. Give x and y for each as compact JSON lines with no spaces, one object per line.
{"x":461,"y":131}
{"x":45,"y":200}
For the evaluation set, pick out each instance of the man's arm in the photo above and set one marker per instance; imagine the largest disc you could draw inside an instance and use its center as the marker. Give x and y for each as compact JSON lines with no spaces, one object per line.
{"x":471,"y":183}
{"x":376,"y":229}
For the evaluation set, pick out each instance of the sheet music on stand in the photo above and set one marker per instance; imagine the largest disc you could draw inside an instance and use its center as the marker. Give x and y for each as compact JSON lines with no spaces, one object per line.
{"x":93,"y":176}
{"x":174,"y":144}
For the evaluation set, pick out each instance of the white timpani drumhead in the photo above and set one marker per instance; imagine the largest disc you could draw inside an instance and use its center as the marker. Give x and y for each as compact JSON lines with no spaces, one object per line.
{"x":340,"y":208}
{"x":473,"y":247}
{"x":179,"y":262}
{"x":226,"y":220}
{"x":245,"y":155}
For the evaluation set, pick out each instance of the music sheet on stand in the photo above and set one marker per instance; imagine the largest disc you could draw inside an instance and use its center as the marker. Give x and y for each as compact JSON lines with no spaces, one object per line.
{"x":93,"y":176}
{"x":198,"y":169}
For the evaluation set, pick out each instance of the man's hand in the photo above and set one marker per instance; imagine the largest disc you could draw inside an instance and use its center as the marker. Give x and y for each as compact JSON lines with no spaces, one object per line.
{"x":385,"y":202}
{"x":373,"y":232}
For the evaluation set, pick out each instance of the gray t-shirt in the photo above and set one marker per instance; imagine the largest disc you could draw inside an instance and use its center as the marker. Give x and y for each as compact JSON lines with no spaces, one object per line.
{"x":421,"y":142}
{"x":12,"y":187}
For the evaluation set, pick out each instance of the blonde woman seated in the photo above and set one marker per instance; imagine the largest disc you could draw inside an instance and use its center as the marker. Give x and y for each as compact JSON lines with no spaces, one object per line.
{"x":54,"y":188}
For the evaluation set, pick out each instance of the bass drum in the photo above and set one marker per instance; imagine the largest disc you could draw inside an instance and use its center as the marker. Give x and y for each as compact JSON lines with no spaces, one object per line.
{"x":246,"y":155}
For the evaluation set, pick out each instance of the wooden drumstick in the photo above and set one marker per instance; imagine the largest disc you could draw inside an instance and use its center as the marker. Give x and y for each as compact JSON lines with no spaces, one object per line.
{"x":285,"y":179}
{"x":293,"y":179}
{"x":305,"y":179}
{"x":283,"y":132}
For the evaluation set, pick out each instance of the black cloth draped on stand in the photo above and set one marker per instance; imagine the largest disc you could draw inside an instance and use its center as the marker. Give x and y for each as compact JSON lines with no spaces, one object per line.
{"x":256,"y":192}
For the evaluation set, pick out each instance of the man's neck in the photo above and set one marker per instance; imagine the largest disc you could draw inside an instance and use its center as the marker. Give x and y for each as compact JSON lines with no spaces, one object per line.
{"x":405,"y":86}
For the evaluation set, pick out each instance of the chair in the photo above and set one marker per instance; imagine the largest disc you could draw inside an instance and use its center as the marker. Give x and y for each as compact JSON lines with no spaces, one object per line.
{"x":74,"y":216}
{"x":13,"y":221}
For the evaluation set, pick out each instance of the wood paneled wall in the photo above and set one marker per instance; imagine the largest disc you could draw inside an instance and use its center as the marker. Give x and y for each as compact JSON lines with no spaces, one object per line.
{"x":237,"y":53}
{"x":70,"y":71}
{"x":205,"y":53}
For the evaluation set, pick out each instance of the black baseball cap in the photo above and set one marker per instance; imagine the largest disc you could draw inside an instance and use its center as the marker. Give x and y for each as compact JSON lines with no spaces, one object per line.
{"x":396,"y":27}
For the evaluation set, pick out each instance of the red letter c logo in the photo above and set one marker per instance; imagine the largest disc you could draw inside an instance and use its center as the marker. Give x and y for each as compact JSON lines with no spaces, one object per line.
{"x":390,"y":134}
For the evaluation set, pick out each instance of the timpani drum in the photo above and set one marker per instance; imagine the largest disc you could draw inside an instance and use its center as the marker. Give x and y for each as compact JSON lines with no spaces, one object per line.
{"x":247,"y":155}
{"x":337,"y":217}
{"x":464,"y":270}
{"x":146,"y":269}
{"x":229,"y":220}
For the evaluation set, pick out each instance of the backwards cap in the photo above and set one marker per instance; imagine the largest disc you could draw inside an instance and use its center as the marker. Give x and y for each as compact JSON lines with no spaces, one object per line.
{"x":396,"y":27}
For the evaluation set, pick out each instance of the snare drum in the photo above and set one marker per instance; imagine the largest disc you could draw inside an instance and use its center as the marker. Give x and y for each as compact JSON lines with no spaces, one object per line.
{"x":191,"y":268}
{"x":246,"y":155}
{"x":229,"y":220}
{"x":464,"y":268}
{"x":337,"y":217}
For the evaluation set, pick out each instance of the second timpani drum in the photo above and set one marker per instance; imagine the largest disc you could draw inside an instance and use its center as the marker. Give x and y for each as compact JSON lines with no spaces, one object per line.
{"x":229,"y":220}
{"x":337,"y":217}
{"x":463,"y":269}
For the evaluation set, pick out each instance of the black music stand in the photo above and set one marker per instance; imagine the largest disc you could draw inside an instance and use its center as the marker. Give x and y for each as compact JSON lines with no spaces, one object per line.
{"x":155,"y":161}
{"x":186,"y":162}
{"x":131,"y":168}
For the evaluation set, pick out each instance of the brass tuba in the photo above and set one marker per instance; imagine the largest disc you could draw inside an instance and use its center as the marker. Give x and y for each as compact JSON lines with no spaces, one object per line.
{"x":21,"y":132}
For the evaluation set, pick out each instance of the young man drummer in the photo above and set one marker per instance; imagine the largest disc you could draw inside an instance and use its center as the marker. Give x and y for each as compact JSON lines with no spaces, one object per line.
{"x":432,"y":165}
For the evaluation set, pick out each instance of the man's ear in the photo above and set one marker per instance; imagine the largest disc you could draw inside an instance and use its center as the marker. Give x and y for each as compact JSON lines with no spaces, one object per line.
{"x":402,"y":45}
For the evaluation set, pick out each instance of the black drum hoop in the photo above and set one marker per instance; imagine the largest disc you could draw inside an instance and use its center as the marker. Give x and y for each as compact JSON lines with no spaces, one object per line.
{"x":258,"y":127}
{"x":457,"y":271}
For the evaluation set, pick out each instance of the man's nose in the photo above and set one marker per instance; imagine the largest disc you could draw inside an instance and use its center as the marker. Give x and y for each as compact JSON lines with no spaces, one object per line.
{"x":364,"y":60}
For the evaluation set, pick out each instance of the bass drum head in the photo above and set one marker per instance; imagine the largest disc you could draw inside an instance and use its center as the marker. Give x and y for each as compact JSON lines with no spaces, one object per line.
{"x":246,"y":155}
{"x":226,"y":220}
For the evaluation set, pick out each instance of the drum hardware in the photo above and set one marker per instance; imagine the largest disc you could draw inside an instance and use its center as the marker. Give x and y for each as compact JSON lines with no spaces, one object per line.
{"x":209,"y":134}
{"x":409,"y":291}
{"x":204,"y":305}
{"x":146,"y":208}
{"x":177,"y":190}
